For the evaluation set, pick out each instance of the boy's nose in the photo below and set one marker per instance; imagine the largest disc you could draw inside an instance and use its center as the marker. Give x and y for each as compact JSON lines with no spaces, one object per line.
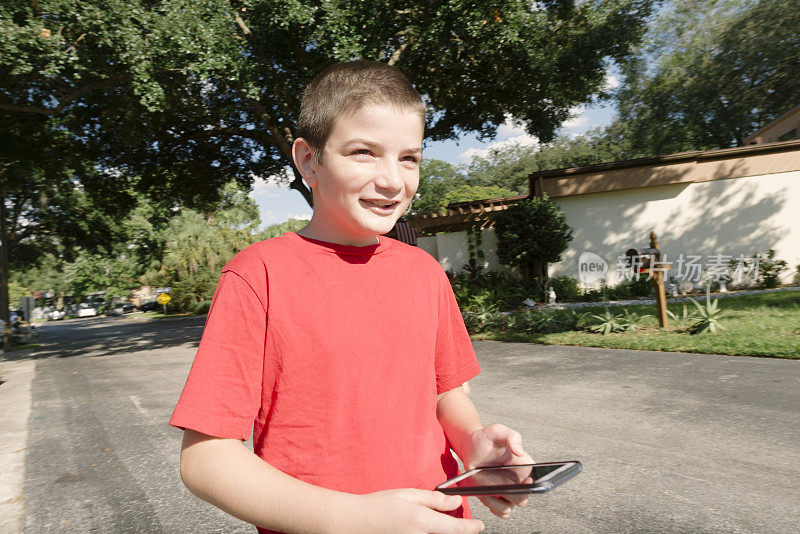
{"x":389,"y":177}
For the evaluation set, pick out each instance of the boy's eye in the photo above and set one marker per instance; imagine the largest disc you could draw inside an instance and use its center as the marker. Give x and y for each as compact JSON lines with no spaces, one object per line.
{"x":363,"y":151}
{"x":412,"y":159}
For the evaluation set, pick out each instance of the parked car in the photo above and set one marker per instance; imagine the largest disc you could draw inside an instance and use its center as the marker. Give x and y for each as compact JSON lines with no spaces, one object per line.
{"x":56,"y":315}
{"x":153,"y":305}
{"x":86,"y":310}
{"x":16,"y":317}
{"x":121,"y":309}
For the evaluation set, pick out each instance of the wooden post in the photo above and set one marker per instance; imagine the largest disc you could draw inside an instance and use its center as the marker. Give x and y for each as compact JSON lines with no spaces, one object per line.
{"x":658,"y":281}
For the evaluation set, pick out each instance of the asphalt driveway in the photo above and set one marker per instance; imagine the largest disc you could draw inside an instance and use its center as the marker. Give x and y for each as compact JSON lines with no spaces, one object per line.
{"x":670,"y":442}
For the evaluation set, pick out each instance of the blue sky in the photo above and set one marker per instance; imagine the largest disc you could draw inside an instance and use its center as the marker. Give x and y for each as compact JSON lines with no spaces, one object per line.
{"x":278,"y":203}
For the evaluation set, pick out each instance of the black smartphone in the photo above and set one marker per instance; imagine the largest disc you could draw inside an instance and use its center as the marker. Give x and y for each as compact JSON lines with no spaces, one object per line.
{"x":507,"y":479}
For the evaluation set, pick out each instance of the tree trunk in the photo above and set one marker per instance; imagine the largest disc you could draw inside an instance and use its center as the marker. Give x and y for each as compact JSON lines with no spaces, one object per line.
{"x":5,"y":241}
{"x":299,"y":185}
{"x":537,"y":273}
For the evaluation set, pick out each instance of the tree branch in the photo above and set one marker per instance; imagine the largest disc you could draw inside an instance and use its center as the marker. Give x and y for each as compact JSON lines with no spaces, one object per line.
{"x":283,"y":143}
{"x":241,"y":24}
{"x":299,"y":185}
{"x":15,"y":213}
{"x":78,"y":40}
{"x":66,"y":101}
{"x":399,"y":52}
{"x":227,"y":132}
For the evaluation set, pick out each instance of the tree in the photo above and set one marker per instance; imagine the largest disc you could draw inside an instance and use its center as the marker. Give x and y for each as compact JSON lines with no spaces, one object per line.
{"x":277,"y":230}
{"x":718,"y":71}
{"x":197,"y":245}
{"x":174,"y":91}
{"x":110,"y":257}
{"x":531,"y":234}
{"x":436,"y":178}
{"x":511,"y":166}
{"x":44,"y":205}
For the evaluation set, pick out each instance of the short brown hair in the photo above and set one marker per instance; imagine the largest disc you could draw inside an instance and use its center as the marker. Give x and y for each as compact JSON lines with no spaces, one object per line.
{"x":346,"y":88}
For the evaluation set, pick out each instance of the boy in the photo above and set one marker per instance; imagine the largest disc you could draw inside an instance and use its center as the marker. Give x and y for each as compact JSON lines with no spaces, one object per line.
{"x":342,"y":350}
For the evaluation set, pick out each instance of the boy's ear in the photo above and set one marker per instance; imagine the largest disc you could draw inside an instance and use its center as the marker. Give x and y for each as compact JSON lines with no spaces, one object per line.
{"x":303,"y":156}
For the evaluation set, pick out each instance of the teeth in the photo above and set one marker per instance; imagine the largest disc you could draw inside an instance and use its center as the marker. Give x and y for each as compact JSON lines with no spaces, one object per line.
{"x":383,"y":203}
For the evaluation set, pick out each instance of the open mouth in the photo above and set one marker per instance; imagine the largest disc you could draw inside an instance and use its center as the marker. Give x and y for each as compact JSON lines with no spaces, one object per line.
{"x":379,"y":205}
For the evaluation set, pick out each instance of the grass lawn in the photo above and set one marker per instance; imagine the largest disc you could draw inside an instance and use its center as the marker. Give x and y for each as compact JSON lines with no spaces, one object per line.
{"x":754,"y":325}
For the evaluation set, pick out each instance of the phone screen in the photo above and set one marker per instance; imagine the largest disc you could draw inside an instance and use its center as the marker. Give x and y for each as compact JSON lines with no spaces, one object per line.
{"x":512,"y":478}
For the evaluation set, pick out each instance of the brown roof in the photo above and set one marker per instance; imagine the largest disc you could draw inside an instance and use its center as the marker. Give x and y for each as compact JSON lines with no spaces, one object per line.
{"x":463,"y":215}
{"x":694,"y":166}
{"x":763,"y":129}
{"x":694,"y":155}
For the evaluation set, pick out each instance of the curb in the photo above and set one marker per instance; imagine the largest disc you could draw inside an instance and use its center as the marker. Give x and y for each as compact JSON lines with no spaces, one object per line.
{"x":15,"y":409}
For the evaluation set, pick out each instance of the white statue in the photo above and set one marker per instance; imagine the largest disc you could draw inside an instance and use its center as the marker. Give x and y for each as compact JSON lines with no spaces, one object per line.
{"x":551,"y":295}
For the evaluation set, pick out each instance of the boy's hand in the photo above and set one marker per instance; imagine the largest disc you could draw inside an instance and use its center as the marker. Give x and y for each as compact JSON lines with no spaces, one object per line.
{"x":414,"y":511}
{"x":497,"y":445}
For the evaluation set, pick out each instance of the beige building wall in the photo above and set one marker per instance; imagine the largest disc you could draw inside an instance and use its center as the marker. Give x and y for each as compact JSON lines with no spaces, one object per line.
{"x":730,"y":216}
{"x":452,"y":251}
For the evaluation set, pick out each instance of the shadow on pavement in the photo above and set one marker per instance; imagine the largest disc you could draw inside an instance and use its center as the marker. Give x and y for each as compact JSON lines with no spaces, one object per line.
{"x":104,"y":336}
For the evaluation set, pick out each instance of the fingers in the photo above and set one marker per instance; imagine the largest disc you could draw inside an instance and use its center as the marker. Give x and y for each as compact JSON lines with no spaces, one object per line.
{"x":435,"y":500}
{"x":518,"y":500}
{"x":439,"y":523}
{"x":501,"y":433}
{"x":444,"y":524}
{"x":502,"y":506}
{"x":497,"y":505}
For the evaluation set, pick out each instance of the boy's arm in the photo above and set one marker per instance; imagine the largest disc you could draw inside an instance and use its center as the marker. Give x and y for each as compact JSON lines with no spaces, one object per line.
{"x":477,"y":445}
{"x":229,"y":476}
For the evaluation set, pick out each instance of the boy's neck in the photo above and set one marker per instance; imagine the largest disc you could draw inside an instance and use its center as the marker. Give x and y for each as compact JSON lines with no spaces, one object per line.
{"x":313,"y":230}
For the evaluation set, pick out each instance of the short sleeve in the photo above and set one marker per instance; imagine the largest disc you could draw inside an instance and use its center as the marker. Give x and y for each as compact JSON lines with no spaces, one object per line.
{"x":456,"y":362}
{"x":222,"y":395}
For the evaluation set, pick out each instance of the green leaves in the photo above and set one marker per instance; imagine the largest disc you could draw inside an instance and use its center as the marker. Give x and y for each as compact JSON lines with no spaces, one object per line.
{"x":534,"y":230}
{"x":610,"y":322}
{"x":710,"y":314}
{"x":711,"y":73}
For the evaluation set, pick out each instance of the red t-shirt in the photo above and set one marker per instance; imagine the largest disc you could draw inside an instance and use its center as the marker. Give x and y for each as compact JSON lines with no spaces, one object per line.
{"x":333,"y":355}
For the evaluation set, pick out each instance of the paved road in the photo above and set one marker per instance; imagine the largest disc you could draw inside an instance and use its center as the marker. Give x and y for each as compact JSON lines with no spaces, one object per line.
{"x":671,"y":442}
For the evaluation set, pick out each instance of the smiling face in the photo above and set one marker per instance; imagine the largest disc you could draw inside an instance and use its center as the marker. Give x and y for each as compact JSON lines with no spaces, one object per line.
{"x":367,"y":175}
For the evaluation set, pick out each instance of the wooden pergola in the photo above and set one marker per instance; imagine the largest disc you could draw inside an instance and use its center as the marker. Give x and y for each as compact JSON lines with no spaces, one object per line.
{"x":463,"y":216}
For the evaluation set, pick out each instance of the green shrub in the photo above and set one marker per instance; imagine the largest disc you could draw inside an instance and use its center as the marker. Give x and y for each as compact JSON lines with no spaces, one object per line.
{"x":567,"y":288}
{"x":191,"y":290}
{"x":770,"y":269}
{"x":504,"y":290}
{"x":592,"y":295}
{"x":544,"y":322}
{"x":530,"y":234}
{"x":202,"y":307}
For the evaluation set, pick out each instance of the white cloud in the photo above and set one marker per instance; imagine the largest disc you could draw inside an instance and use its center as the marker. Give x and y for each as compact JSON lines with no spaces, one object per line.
{"x":577,"y":118}
{"x":265,"y":189}
{"x":612,"y":82}
{"x":519,"y":140}
{"x":267,"y":218}
{"x":270,"y":187}
{"x":301,"y":216}
{"x":510,"y":128}
{"x":575,"y":122}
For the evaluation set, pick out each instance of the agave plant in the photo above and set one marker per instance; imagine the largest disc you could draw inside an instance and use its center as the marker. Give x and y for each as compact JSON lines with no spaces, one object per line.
{"x":685,"y":314}
{"x":709,"y":316}
{"x":631,"y":319}
{"x":607,"y":323}
{"x":610,"y":322}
